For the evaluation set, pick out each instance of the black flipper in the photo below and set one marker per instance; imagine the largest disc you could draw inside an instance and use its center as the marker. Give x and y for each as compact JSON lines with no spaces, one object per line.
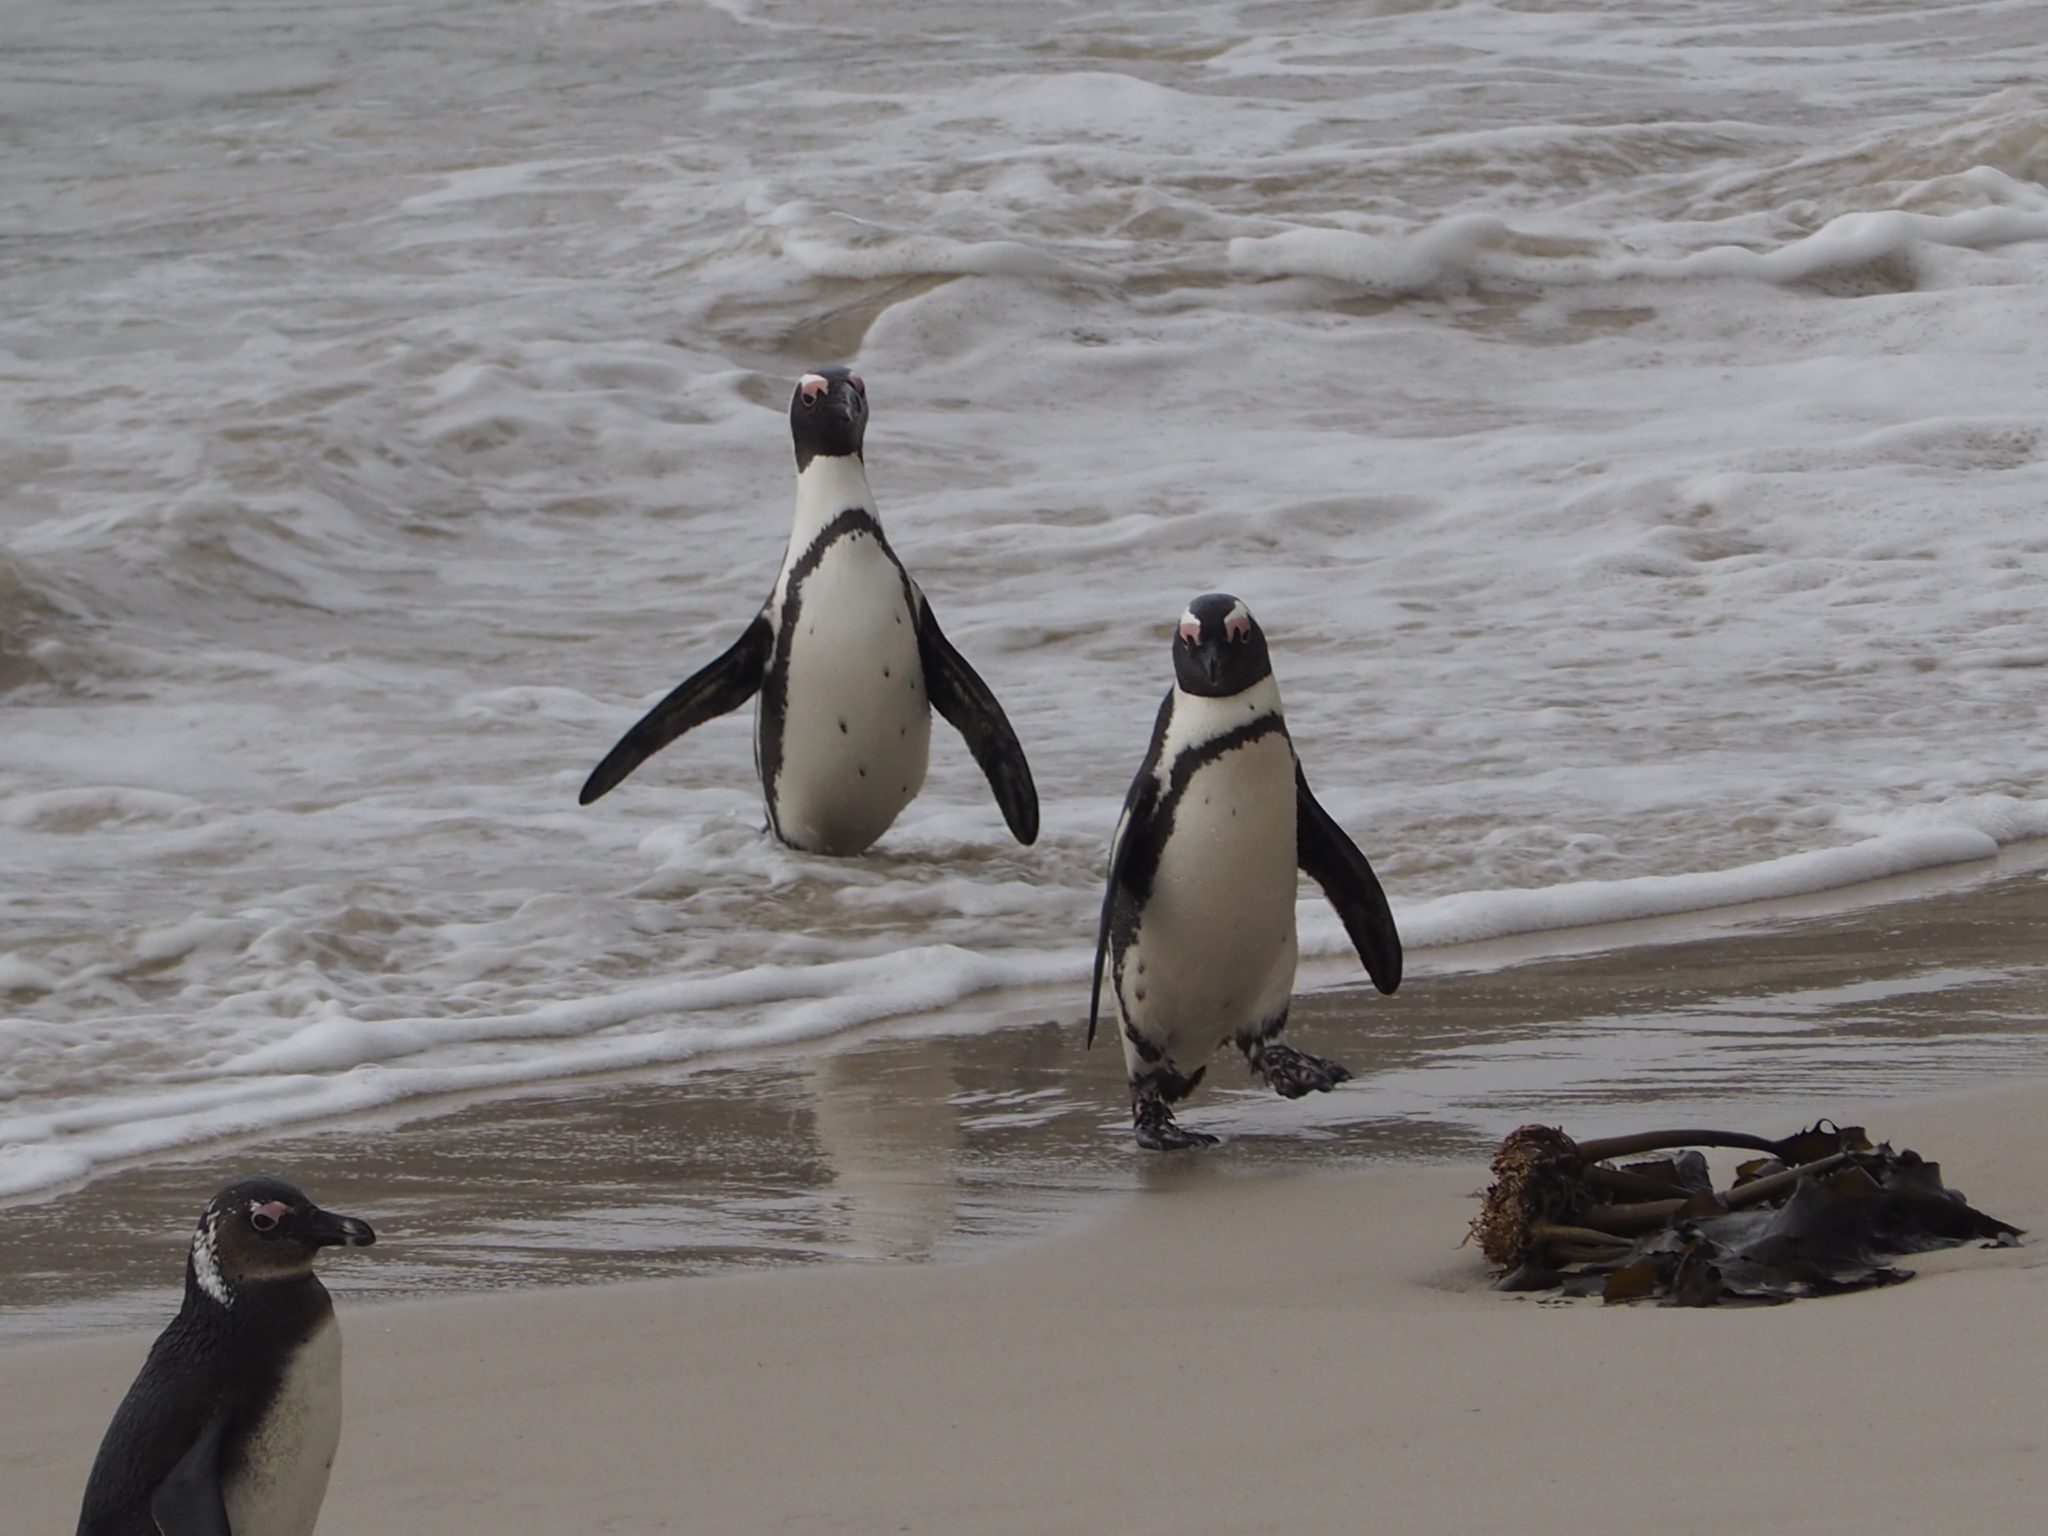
{"x":1329,"y":857}
{"x":1135,"y":832}
{"x":188,"y":1502}
{"x":716,"y":690}
{"x":962,"y":698}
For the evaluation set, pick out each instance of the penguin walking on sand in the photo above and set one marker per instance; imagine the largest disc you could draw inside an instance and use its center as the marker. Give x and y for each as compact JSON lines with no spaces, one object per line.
{"x":847,"y":658}
{"x":1198,"y":918}
{"x":231,"y":1427}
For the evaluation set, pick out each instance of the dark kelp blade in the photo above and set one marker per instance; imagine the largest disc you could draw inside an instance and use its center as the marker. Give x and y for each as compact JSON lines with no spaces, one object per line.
{"x":1821,"y":1214}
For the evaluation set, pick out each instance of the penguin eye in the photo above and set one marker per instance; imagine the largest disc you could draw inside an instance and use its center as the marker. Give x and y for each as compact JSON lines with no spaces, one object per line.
{"x":859,"y":387}
{"x":1237,"y":626}
{"x":812,"y":388}
{"x":265,"y":1218}
{"x":1191,"y":630}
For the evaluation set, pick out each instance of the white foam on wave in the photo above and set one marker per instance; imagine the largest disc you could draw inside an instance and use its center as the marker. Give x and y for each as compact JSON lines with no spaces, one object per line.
{"x":340,"y":1064}
{"x":834,"y":245}
{"x":1481,"y":250}
{"x":1471,"y":916}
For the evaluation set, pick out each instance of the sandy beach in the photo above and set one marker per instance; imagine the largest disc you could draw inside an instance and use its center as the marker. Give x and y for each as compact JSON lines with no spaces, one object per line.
{"x":1254,"y":1340}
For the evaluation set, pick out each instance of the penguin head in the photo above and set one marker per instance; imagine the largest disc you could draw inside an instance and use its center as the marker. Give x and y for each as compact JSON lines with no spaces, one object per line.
{"x":828,"y":415}
{"x":1219,"y":648}
{"x":263,"y":1230}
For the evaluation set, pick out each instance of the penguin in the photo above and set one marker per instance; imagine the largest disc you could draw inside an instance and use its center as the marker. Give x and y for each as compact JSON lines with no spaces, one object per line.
{"x":230,"y":1428}
{"x":848,"y":660}
{"x":1198,"y":916}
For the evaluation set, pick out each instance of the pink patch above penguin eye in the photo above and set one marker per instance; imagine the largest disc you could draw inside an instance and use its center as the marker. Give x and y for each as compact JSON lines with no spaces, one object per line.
{"x":813,"y":388}
{"x":859,"y":386}
{"x":1191,"y":630}
{"x":1237,"y":626}
{"x":266,"y":1216}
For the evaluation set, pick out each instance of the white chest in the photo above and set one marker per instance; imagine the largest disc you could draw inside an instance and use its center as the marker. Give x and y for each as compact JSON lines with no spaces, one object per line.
{"x":1226,"y":879}
{"x":1214,"y":950}
{"x":278,"y":1489}
{"x":856,"y":728}
{"x":1231,"y":854}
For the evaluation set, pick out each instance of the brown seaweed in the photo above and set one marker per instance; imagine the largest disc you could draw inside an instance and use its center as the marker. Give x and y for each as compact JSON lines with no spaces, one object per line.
{"x":1824,"y":1210}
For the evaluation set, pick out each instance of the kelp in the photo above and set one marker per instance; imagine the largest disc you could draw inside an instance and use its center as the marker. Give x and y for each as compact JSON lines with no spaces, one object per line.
{"x":1820,"y":1211}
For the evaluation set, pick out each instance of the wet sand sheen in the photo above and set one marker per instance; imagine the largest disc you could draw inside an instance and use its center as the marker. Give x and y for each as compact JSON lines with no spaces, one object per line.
{"x":927,"y":1144}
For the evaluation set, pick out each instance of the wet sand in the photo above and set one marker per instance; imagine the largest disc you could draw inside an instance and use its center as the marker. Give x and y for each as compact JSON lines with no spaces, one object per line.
{"x":1283,"y":1332}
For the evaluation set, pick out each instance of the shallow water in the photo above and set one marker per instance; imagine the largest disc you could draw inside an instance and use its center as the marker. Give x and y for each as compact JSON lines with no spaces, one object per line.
{"x":1625,"y":420}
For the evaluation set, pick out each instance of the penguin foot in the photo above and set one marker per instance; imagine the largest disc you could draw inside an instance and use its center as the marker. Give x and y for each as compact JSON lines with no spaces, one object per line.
{"x":1157,"y":1131}
{"x":1292,"y":1073}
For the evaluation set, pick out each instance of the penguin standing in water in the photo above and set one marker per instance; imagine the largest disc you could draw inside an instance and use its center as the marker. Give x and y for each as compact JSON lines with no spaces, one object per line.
{"x":847,"y":658}
{"x":230,"y":1430}
{"x":1198,"y":919}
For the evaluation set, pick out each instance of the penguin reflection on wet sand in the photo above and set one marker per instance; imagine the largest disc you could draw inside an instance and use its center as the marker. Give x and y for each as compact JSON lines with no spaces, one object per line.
{"x":231,"y":1428}
{"x":1198,"y":918}
{"x":847,"y":658}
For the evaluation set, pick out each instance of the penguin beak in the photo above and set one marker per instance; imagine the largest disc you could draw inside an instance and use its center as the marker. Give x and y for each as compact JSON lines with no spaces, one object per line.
{"x":1210,"y":654}
{"x":325,"y":1229}
{"x":839,"y":402}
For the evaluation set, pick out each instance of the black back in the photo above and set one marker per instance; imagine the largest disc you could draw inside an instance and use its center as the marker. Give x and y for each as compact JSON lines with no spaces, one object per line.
{"x":211,"y":1360}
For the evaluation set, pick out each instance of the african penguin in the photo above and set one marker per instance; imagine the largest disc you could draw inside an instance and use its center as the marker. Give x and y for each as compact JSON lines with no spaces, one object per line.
{"x":231,"y":1427}
{"x":848,"y":661}
{"x":1198,"y":918}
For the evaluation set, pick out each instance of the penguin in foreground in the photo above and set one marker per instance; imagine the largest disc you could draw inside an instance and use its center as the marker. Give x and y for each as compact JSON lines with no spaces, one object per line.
{"x":848,"y":659}
{"x":230,"y":1429}
{"x":1198,"y":919}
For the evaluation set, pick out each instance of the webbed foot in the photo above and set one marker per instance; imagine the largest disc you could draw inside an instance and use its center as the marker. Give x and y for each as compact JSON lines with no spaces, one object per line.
{"x":1157,"y":1131}
{"x":1292,"y":1073}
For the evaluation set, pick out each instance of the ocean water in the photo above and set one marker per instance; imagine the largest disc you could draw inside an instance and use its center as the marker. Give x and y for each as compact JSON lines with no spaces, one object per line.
{"x":1626,"y":420}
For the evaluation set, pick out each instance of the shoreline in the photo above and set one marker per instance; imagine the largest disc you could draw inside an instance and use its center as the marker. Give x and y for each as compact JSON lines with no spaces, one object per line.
{"x":689,"y":1024}
{"x":925,"y":1143}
